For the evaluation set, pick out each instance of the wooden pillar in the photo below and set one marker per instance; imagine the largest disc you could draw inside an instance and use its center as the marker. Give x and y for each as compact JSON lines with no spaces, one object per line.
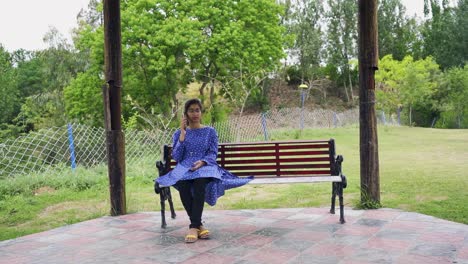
{"x":112,"y":107}
{"x":368,"y":64}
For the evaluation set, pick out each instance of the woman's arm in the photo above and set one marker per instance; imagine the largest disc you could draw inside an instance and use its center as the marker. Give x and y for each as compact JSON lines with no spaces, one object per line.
{"x":212,"y":152}
{"x":178,"y":148}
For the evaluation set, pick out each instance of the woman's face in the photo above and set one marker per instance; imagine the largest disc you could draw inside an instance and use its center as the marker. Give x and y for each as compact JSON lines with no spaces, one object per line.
{"x":194,"y":113}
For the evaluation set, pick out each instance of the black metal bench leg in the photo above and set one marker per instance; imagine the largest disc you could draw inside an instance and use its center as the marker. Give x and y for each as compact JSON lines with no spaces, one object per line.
{"x":340,"y":195}
{"x":333,"y":198}
{"x":171,"y":205}
{"x":163,"y":208}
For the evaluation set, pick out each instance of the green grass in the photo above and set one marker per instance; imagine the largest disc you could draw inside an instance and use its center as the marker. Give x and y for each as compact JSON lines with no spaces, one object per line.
{"x":421,"y":170}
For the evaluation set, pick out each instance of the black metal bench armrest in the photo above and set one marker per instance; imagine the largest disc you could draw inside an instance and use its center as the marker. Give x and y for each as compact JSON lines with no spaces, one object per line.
{"x":339,"y":159}
{"x":160,"y":165}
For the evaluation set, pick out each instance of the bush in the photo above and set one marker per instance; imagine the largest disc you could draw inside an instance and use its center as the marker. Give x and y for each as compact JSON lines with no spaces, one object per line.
{"x":293,"y":75}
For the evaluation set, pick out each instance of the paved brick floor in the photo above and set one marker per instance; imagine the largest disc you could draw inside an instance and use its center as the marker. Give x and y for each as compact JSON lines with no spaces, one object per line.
{"x":298,"y":235}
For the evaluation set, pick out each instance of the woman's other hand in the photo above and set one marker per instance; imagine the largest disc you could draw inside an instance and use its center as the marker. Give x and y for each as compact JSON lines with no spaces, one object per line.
{"x":197,"y":164}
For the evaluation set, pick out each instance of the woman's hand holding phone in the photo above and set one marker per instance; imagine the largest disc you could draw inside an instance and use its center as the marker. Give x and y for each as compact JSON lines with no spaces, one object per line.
{"x":183,"y":127}
{"x":183,"y":122}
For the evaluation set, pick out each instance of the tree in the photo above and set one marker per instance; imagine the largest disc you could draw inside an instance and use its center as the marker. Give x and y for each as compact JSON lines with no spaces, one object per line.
{"x":9,"y":104}
{"x":397,"y":33}
{"x":240,"y":87}
{"x":389,"y":79}
{"x":83,"y":99}
{"x":30,"y":71}
{"x":408,"y":84}
{"x":342,"y":36}
{"x":306,"y":25}
{"x":167,"y":44}
{"x":453,"y":104}
{"x":234,"y":33}
{"x":420,"y":84}
{"x":461,"y":37}
{"x":42,"y":77}
{"x":443,"y":33}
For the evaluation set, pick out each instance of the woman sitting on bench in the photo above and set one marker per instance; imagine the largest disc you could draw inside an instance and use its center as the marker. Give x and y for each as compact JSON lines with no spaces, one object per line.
{"x":197,"y":176}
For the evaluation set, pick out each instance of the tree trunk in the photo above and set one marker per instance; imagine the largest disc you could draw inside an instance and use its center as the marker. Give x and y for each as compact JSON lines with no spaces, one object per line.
{"x":212,"y":98}
{"x":114,"y":135}
{"x":240,"y":115}
{"x":350,"y":84}
{"x":346,"y":91}
{"x":202,"y":90}
{"x":176,"y":104}
{"x":212,"y":92}
{"x":368,"y":58}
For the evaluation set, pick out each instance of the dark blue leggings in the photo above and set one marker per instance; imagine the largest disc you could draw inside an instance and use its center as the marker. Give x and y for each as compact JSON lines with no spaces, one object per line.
{"x":193,"y":201}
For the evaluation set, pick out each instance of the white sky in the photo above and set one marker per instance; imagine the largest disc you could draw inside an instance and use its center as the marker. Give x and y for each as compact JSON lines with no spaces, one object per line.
{"x":23,"y":23}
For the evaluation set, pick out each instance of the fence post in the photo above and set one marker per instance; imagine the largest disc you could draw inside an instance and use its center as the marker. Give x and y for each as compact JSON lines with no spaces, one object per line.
{"x":384,"y":121}
{"x":71,"y":147}
{"x":433,"y":122}
{"x":265,"y":131}
{"x":335,"y":120}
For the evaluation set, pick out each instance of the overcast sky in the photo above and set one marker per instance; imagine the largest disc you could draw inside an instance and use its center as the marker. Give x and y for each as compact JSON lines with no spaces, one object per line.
{"x":23,"y":23}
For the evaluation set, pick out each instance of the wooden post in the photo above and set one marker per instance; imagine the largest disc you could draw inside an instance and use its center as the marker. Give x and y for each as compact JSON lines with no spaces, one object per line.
{"x":368,"y":60}
{"x":112,"y":109}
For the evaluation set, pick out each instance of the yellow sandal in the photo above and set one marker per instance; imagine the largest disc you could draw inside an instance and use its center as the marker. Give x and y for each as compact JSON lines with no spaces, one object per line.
{"x":192,"y":236}
{"x":203,"y":233}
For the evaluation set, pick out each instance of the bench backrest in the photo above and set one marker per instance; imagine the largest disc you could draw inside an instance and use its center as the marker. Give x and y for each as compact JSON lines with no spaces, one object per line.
{"x":273,"y":159}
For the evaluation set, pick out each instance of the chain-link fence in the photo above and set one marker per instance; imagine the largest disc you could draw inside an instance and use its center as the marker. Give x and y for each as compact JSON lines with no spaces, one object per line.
{"x":78,"y":145}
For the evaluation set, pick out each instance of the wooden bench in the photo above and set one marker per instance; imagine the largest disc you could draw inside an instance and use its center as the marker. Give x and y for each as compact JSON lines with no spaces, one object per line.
{"x":304,"y":161}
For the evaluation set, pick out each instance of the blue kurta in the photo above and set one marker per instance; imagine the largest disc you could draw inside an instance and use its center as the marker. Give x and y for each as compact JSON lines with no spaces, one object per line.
{"x":200,"y":144}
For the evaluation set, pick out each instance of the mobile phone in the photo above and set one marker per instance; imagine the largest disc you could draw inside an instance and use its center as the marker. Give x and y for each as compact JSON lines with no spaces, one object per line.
{"x":186,"y":120}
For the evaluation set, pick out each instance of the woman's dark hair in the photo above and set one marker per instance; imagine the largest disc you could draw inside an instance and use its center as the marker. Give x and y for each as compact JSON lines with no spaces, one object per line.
{"x":192,"y":102}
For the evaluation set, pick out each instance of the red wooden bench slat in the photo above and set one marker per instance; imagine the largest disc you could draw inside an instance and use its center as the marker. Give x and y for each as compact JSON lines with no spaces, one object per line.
{"x":273,"y":147}
{"x":266,"y":161}
{"x":274,"y":173}
{"x":268,"y":154}
{"x":281,"y":167}
{"x":290,"y":160}
{"x":291,"y":142}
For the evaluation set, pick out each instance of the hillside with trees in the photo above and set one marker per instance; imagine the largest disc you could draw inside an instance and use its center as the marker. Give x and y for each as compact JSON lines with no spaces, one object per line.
{"x":241,"y":56}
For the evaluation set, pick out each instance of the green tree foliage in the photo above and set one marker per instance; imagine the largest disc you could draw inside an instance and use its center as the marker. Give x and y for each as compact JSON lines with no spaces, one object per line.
{"x":31,"y":75}
{"x":409,"y":84}
{"x":9,"y":103}
{"x":453,"y":104}
{"x":444,"y":32}
{"x":461,"y":26}
{"x":397,"y":33}
{"x":306,"y":25}
{"x":389,"y":79}
{"x":84,"y":101}
{"x":342,"y":42}
{"x":167,"y":44}
{"x":235,"y":34}
{"x":42,"y":77}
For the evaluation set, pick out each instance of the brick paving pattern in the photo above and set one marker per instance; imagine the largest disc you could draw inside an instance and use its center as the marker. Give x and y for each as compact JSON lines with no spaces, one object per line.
{"x":296,"y":235}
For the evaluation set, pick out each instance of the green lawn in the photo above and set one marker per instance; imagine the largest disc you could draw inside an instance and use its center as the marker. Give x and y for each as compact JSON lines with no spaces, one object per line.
{"x":420,"y":171}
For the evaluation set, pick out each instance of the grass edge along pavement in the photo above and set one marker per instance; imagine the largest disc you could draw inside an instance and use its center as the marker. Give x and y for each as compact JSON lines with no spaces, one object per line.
{"x":421,"y":170}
